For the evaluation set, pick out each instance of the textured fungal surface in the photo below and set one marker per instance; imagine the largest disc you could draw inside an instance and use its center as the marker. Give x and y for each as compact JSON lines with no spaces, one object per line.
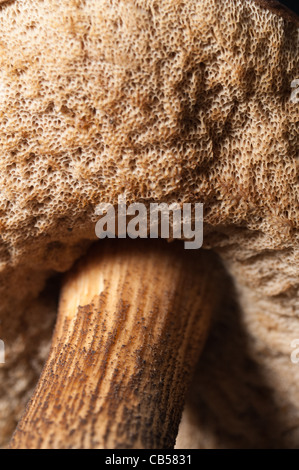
{"x":169,"y":100}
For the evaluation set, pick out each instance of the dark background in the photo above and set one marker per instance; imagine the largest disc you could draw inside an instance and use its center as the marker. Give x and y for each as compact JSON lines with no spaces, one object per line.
{"x":291,"y":4}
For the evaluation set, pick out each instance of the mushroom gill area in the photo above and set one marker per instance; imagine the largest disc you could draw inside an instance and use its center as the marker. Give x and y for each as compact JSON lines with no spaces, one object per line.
{"x":157,"y":101}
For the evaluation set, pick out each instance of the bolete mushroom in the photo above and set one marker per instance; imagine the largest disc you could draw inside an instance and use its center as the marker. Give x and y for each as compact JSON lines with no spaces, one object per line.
{"x":169,"y":101}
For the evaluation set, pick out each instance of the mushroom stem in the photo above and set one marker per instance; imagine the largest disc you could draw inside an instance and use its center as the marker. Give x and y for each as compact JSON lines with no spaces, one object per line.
{"x":133,"y":317}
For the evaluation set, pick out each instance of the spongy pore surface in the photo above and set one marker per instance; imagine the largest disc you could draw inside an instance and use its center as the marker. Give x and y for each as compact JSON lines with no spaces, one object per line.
{"x":167,"y":101}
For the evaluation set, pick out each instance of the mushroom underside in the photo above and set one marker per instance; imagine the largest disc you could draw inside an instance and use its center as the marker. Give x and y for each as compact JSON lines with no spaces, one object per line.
{"x":184,"y":102}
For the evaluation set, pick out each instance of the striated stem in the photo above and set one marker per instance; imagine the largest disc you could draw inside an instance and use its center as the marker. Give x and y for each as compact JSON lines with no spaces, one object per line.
{"x":132,"y":320}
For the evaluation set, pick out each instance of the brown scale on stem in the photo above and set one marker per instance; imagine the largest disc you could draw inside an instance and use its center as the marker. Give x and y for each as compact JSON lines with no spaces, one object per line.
{"x":133,"y":318}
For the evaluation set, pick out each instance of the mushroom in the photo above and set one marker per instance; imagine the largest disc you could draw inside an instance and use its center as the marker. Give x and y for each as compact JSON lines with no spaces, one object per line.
{"x":173,"y":101}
